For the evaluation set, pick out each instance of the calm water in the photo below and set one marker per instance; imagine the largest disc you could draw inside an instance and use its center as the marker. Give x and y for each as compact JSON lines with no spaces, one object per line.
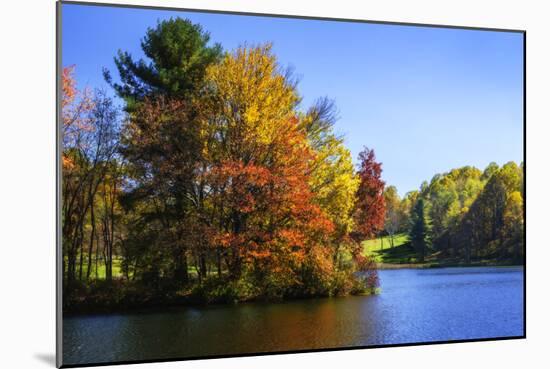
{"x":415,"y":306}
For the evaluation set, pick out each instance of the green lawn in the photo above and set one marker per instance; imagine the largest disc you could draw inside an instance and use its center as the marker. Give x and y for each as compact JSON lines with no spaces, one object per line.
{"x":380,"y":243}
{"x":117,"y":270}
{"x":380,"y":248}
{"x":101,"y":274}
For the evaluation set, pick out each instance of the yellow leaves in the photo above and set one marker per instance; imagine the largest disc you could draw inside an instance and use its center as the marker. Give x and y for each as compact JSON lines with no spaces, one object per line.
{"x":254,"y":94}
{"x":334,"y":183}
{"x":252,"y":114}
{"x":513,"y":211}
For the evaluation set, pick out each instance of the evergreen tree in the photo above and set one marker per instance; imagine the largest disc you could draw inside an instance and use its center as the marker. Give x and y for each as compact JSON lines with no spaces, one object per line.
{"x":178,"y":56}
{"x":421,"y":228}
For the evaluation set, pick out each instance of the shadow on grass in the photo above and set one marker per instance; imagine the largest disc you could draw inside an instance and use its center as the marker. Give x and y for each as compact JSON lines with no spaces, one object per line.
{"x":402,"y":254}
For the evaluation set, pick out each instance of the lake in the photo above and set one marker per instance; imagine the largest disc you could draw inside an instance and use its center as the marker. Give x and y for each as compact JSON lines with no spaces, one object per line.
{"x":415,"y":305}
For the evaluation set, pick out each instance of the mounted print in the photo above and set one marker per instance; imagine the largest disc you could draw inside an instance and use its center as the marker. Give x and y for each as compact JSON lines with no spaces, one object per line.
{"x":245,"y":184}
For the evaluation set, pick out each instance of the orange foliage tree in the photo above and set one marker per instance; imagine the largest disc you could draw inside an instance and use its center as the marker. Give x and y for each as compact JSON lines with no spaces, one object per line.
{"x":268,"y":222}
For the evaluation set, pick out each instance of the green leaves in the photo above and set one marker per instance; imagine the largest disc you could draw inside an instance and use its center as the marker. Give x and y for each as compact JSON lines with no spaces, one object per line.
{"x":495,"y":218}
{"x":469,"y":214}
{"x":178,"y":53}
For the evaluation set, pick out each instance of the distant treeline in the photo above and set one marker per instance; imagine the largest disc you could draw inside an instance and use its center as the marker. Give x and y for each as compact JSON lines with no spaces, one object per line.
{"x":465,"y":214}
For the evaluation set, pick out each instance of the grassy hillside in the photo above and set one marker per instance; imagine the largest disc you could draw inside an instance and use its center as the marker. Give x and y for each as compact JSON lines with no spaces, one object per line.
{"x":380,"y":248}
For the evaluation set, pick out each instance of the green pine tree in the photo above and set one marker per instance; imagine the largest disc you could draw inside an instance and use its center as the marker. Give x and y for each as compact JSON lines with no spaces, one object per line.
{"x":178,"y":54}
{"x":421,"y":229}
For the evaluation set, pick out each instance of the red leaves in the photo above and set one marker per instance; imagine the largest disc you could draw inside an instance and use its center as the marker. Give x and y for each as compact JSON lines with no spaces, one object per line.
{"x":239,"y":186}
{"x":371,"y":205}
{"x":267,"y":204}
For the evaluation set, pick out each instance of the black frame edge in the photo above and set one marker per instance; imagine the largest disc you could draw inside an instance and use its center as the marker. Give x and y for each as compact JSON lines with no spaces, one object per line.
{"x":58,"y":197}
{"x":287,"y":16}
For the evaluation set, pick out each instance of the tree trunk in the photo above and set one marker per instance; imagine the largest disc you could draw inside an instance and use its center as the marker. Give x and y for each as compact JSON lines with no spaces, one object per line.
{"x":202,"y":265}
{"x":219,"y":262}
{"x":96,"y":255}
{"x":181,"y":274}
{"x":92,"y":236}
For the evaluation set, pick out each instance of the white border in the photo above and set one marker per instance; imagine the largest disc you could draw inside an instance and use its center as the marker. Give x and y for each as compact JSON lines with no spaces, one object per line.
{"x":27,"y":185}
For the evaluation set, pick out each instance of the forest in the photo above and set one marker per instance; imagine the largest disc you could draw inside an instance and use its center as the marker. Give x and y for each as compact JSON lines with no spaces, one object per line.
{"x":464,"y":216}
{"x":211,"y":185}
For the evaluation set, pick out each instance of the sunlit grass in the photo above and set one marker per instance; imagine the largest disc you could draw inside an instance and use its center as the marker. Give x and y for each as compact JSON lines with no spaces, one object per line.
{"x":382,"y":243}
{"x":101,"y":269}
{"x":382,"y":251}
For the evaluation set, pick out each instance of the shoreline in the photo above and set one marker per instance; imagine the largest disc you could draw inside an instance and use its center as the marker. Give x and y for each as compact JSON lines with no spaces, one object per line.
{"x":87,"y":309}
{"x":170,"y":304}
{"x":435,"y":265}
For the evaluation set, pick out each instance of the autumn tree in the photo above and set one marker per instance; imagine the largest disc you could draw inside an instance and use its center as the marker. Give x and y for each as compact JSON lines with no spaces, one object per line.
{"x":75,"y":110}
{"x":267,"y":220}
{"x":370,"y":207}
{"x":163,"y":151}
{"x":332,"y":177}
{"x":90,"y":139}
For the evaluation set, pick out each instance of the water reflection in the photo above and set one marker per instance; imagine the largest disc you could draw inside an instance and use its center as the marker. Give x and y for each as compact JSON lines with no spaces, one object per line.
{"x":415,"y":306}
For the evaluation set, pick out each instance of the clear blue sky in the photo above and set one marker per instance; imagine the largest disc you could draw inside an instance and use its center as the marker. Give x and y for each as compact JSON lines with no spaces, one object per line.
{"x":425,"y":99}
